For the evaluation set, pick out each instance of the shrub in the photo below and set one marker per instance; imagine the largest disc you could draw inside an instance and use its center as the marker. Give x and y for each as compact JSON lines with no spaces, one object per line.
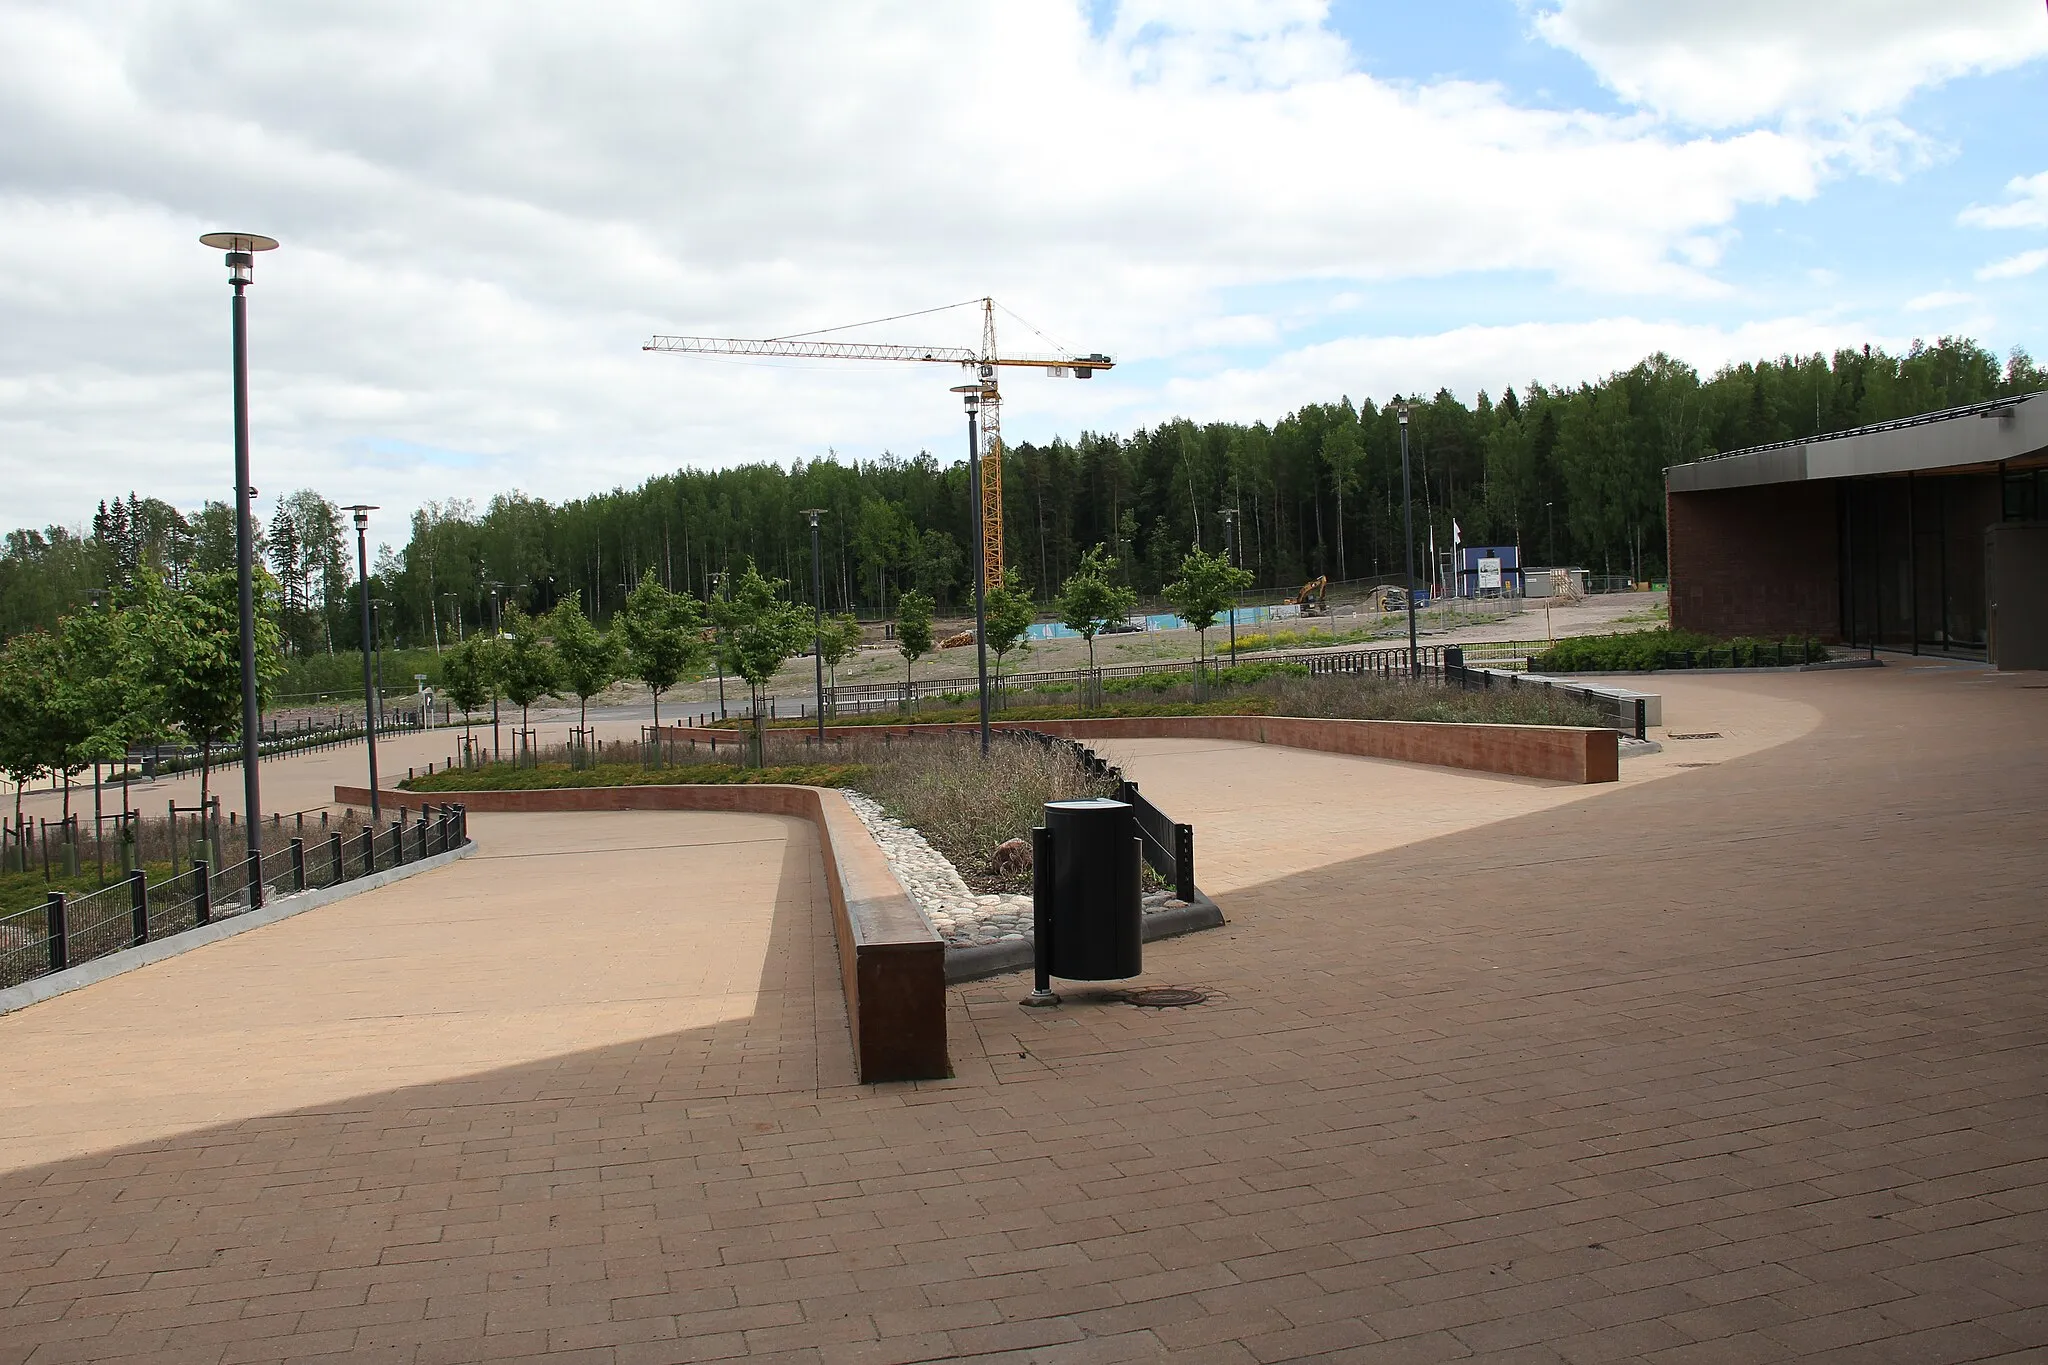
{"x":500,"y":777}
{"x":1643,"y":650}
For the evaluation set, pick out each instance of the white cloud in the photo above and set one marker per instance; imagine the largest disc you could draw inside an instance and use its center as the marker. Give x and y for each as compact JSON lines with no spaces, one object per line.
{"x":2013,"y":267}
{"x":1731,"y":63}
{"x":1469,"y":359}
{"x":1940,"y":298}
{"x":2027,"y":206}
{"x":485,"y":210}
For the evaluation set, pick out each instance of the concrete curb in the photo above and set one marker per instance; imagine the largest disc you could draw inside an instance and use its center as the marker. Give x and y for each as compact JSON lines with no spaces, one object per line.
{"x":974,"y":961}
{"x":282,"y":908}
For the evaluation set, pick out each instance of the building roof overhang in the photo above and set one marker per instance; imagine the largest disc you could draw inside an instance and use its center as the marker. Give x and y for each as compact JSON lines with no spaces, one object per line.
{"x":1980,"y":436}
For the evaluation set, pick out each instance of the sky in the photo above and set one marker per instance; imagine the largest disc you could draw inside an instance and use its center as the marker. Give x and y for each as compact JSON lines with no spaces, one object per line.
{"x":486,"y":210}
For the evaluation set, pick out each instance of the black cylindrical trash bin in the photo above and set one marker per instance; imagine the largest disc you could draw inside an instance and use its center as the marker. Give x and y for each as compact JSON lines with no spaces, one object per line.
{"x":1095,"y":911}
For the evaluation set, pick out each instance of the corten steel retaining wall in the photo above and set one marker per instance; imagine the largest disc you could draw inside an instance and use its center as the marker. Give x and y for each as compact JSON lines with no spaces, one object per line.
{"x":1561,"y":753}
{"x":892,"y":967}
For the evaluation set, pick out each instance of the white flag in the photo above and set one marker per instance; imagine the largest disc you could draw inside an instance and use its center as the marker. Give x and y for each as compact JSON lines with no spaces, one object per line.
{"x":1457,"y":536}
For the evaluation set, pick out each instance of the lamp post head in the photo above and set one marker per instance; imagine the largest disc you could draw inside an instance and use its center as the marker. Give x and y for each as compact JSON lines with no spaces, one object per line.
{"x":362,"y":512}
{"x":813,"y":513}
{"x":241,"y":248}
{"x":1402,"y":410}
{"x":970,"y":395}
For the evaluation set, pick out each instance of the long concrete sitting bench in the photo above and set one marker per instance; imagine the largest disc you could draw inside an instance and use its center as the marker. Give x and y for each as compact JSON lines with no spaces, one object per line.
{"x":1561,"y":753}
{"x":892,"y":967}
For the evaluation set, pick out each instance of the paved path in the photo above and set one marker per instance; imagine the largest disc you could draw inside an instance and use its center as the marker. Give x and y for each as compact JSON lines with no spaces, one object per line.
{"x":1262,"y":812}
{"x":1742,"y":1064}
{"x":306,"y":781}
{"x":508,"y":957}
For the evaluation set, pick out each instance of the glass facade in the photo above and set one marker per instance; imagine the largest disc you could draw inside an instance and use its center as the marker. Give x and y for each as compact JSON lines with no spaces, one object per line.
{"x":1912,"y":559}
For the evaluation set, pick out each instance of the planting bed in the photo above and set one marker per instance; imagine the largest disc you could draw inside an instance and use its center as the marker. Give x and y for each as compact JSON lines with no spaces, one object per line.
{"x":956,"y":911}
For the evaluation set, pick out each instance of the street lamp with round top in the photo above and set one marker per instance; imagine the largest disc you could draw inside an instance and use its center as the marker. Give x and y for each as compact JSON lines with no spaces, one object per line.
{"x":1408,"y":543}
{"x":817,"y":620}
{"x":1230,"y":555}
{"x":361,"y":511}
{"x":497,"y":634}
{"x":970,"y":398}
{"x":241,"y":249}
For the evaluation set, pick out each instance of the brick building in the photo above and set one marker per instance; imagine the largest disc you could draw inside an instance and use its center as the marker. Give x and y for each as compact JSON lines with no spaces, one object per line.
{"x":1928,"y":534}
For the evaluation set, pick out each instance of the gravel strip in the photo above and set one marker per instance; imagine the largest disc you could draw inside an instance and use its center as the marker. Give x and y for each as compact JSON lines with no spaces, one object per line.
{"x":955,"y":911}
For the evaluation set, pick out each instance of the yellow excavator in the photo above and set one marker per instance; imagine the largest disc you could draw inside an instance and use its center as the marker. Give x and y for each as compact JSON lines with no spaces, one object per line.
{"x":1313,"y":599}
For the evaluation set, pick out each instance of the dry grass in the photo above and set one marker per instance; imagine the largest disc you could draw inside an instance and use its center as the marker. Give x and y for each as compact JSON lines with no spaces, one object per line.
{"x":1345,"y":697}
{"x":965,"y":804}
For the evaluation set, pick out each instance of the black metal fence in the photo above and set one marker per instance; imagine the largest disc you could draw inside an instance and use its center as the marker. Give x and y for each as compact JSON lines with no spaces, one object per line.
{"x":67,"y":931}
{"x":1747,"y":654}
{"x":1168,"y":845}
{"x":1630,"y":715}
{"x":306,"y":735}
{"x":1391,"y":663}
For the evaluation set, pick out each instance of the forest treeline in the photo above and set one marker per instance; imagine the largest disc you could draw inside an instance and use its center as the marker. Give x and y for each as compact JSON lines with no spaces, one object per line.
{"x":1574,"y":475}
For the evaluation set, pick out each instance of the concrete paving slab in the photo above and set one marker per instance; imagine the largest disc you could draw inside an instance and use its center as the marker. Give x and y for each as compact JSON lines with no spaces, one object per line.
{"x":563,"y":933}
{"x":1744,"y":1062}
{"x":1262,"y":811}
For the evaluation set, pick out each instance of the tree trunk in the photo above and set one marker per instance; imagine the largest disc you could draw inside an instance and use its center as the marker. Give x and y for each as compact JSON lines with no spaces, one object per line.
{"x":760,"y":732}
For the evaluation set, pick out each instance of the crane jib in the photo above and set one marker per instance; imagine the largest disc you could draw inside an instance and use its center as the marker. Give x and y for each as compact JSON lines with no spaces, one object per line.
{"x":984,"y":398}
{"x":1082,"y":366}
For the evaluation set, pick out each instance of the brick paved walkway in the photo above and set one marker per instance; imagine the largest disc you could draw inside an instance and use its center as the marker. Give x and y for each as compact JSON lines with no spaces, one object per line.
{"x":1743,"y":1064}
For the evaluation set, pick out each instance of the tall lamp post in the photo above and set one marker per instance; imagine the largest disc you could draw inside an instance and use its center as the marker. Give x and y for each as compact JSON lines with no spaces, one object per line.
{"x":1230,"y":556}
{"x":970,"y":395}
{"x":818,"y":619}
{"x":717,"y":654}
{"x":377,"y":605}
{"x":241,"y":249}
{"x":362,"y":512}
{"x":497,"y":635}
{"x":1408,"y":544}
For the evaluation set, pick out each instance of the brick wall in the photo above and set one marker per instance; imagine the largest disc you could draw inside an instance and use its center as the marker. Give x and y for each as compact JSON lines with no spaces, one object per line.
{"x":1756,"y":561}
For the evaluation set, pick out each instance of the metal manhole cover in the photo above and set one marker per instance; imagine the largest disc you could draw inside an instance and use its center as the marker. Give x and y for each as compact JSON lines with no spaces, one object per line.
{"x":1704,"y":734}
{"x":1165,"y":997}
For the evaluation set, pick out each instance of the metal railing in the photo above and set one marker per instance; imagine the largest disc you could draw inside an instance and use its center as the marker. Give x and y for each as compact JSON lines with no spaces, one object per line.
{"x":1391,"y":663}
{"x":66,"y":931}
{"x":163,"y":759}
{"x":1168,"y":845}
{"x":1629,"y":715}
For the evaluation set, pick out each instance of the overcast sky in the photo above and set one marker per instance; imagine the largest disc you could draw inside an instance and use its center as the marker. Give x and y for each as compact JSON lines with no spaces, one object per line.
{"x":1252,"y":204}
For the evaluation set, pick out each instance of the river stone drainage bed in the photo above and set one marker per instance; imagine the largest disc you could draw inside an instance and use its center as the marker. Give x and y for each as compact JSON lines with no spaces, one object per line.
{"x":1704,"y":734}
{"x":956,"y":912}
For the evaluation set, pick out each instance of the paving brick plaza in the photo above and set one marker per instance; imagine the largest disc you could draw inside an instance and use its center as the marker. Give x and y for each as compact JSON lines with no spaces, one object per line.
{"x":1742,"y":1059}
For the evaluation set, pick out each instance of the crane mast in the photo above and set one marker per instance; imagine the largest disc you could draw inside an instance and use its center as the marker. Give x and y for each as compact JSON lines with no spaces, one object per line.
{"x":984,"y":363}
{"x":990,"y":454}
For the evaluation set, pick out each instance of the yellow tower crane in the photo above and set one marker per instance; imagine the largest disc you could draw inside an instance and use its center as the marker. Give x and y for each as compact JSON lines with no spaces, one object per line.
{"x":984,"y":363}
